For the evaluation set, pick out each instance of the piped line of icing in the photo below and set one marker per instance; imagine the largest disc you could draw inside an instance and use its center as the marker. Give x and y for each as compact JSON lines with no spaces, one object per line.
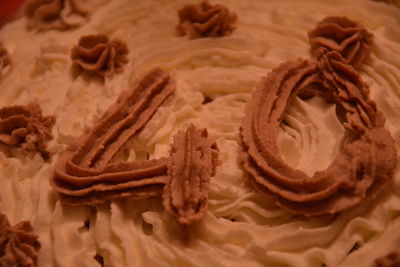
{"x":85,"y":175}
{"x":192,"y":163}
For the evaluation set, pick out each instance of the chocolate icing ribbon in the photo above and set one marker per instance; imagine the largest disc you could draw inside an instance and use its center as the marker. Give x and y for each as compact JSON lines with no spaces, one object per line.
{"x":366,"y":162}
{"x":342,"y":35}
{"x":193,"y":161}
{"x":205,"y":20}
{"x":26,"y":127}
{"x":19,"y":245}
{"x":99,"y":54}
{"x":85,"y":175}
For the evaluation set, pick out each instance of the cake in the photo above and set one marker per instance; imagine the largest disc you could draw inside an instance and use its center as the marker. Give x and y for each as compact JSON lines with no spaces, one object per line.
{"x":107,"y":107}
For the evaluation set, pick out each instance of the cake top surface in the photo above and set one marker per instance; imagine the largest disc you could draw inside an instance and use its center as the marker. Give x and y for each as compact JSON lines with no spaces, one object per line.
{"x":78,"y":61}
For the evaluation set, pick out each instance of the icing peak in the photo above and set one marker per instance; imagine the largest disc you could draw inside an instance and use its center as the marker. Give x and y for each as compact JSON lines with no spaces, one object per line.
{"x":98,"y":54}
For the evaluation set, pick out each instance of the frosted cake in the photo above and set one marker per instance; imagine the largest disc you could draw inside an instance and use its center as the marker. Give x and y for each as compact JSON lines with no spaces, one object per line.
{"x":107,"y":107}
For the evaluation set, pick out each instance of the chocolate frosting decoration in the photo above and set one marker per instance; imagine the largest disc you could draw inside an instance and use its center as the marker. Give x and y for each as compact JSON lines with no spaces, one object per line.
{"x":84,"y":173}
{"x":193,"y":161}
{"x":342,"y":35}
{"x":26,"y":127}
{"x":98,"y":54}
{"x":205,"y":20}
{"x":18,"y":244}
{"x":389,"y":260}
{"x":54,"y":14}
{"x":365,"y":164}
{"x":5,"y":60}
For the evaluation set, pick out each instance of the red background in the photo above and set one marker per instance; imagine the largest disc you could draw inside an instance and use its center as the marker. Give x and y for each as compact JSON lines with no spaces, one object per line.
{"x":8,"y":7}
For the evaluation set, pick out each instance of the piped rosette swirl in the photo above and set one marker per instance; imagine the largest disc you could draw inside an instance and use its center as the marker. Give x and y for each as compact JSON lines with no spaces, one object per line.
{"x":359,"y":171}
{"x":98,"y":54}
{"x":84,"y":173}
{"x":342,"y":35}
{"x":205,"y":20}
{"x":19,"y":245}
{"x":26,"y":128}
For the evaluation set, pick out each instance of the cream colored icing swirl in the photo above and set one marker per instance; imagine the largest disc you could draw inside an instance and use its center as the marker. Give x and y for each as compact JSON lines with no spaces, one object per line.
{"x":365,"y":164}
{"x":54,"y":14}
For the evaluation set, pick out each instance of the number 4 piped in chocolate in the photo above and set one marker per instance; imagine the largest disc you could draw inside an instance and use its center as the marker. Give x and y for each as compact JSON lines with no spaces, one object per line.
{"x":85,"y":175}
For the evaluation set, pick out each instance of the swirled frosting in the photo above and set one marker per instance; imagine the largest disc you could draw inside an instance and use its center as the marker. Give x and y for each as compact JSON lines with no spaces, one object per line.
{"x":19,"y":245}
{"x":54,"y":14}
{"x":84,"y":174}
{"x":205,"y":20}
{"x":192,"y":163}
{"x":25,"y":127}
{"x":342,"y":35}
{"x":365,"y":164}
{"x":5,"y":60}
{"x":98,"y":54}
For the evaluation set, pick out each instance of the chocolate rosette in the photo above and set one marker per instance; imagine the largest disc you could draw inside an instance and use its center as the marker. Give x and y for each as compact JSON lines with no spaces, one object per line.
{"x":84,"y":174}
{"x":25,"y":127}
{"x":359,"y":171}
{"x":96,"y":53}
{"x":342,"y":35}
{"x":193,"y":161}
{"x":19,"y":245}
{"x":205,"y":20}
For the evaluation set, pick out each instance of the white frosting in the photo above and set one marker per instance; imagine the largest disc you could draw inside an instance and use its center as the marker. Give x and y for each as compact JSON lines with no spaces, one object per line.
{"x":242,"y":227}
